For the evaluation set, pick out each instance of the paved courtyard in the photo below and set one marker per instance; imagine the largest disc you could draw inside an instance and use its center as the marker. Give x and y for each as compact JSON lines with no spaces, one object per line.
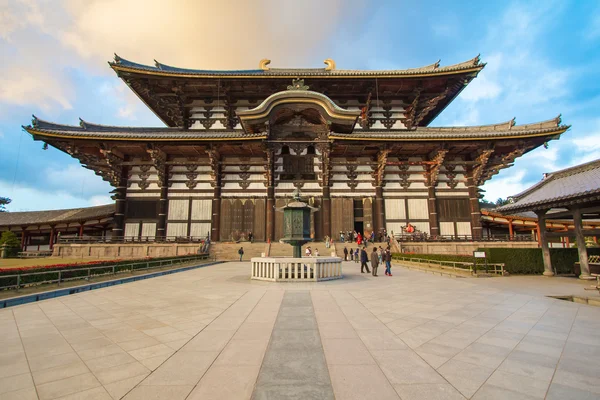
{"x":211,"y":333}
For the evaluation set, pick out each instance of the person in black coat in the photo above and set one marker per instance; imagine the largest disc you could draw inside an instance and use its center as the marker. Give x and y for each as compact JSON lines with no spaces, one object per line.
{"x":345,"y":254}
{"x":364,"y":259}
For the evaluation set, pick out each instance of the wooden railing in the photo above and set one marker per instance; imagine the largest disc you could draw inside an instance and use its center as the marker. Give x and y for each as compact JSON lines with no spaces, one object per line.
{"x":456,"y":265}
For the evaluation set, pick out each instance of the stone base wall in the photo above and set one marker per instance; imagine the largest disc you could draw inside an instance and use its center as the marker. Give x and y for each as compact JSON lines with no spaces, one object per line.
{"x":130,"y":250}
{"x":459,"y":247}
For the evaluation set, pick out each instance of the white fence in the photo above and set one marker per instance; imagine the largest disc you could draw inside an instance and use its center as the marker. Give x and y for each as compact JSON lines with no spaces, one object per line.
{"x":288,"y":269}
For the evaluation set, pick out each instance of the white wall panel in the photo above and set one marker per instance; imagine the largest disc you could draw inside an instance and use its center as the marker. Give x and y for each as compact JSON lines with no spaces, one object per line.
{"x":463,"y":228}
{"x":178,"y":209}
{"x":132,"y":229}
{"x":200,"y":229}
{"x":395,"y":209}
{"x":417,"y":209}
{"x":395,"y":227}
{"x":177,"y":229}
{"x":201,"y":209}
{"x":149,"y":229}
{"x":422,"y":226}
{"x":447,"y":228}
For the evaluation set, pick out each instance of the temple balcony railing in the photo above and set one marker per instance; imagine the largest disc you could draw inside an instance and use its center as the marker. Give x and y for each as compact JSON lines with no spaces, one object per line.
{"x":422,"y":237}
{"x":131,"y":239}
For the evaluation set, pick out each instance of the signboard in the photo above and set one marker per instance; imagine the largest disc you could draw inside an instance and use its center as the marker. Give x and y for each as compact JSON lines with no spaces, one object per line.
{"x":479,"y":254}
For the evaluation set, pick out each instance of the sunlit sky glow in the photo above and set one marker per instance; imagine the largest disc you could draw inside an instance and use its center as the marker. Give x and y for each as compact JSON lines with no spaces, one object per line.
{"x":543,"y":59}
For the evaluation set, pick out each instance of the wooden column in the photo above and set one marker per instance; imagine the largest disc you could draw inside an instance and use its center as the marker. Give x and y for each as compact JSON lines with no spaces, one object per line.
{"x":326,"y":211}
{"x":543,"y":238}
{"x":583,"y":255}
{"x":81,"y":229}
{"x":270,"y":214}
{"x":476,"y":229}
{"x":52,"y":233}
{"x":23,"y":238}
{"x":215,"y":223}
{"x":434,"y":224}
{"x":510,"y":229}
{"x":270,"y":205}
{"x":163,"y":203}
{"x":120,"y":196}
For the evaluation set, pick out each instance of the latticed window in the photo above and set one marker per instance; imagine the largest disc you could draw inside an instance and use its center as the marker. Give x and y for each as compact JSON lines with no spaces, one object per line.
{"x":300,"y":167}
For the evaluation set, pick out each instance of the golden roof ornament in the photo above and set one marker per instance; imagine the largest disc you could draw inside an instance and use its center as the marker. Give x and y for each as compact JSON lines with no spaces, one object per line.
{"x":330,"y":64}
{"x":298,"y":84}
{"x":263,"y":64}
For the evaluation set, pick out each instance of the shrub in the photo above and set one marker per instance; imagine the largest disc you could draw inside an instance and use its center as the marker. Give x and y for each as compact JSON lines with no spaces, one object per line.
{"x":530,"y":261}
{"x":10,"y":240}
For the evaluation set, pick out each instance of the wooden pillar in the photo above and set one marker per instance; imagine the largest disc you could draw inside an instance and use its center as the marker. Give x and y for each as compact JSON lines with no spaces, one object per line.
{"x":120,"y":196}
{"x":510,"y":230}
{"x":270,"y":214}
{"x":216,"y":213}
{"x":81,"y":229}
{"x":543,"y":239}
{"x":326,"y":211}
{"x":52,"y":233}
{"x":378,"y":211}
{"x":434,"y":224}
{"x":163,"y":203}
{"x":583,"y":255}
{"x":23,"y":238}
{"x":476,"y":229}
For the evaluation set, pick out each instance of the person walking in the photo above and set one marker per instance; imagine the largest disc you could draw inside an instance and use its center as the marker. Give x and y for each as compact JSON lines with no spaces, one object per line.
{"x":241,"y":253}
{"x":374,"y":260}
{"x":364,"y":259}
{"x":388,"y":262}
{"x":316,"y":252}
{"x":345,"y":254}
{"x":356,"y":255}
{"x":326,"y":241}
{"x":308,"y":252}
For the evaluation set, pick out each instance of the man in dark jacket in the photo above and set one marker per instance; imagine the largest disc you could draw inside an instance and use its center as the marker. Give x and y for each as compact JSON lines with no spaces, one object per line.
{"x":364,"y":259}
{"x":374,"y":260}
{"x":345,"y":254}
{"x":241,"y":253}
{"x":388,"y":262}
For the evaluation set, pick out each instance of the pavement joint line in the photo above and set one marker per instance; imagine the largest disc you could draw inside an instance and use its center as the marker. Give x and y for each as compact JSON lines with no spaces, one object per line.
{"x":562,"y":352}
{"x":35,"y":297}
{"x":25,"y":353}
{"x":513,"y":349}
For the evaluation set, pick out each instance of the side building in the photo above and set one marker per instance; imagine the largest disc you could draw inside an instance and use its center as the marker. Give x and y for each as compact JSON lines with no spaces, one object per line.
{"x":238,"y":143}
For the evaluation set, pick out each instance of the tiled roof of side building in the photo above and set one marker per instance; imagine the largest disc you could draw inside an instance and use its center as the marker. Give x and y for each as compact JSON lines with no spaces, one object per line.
{"x":559,"y":188}
{"x":163,"y":69}
{"x":56,"y":216}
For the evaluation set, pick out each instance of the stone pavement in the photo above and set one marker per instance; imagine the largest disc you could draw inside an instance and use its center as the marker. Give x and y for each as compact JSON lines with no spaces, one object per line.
{"x":211,"y":333}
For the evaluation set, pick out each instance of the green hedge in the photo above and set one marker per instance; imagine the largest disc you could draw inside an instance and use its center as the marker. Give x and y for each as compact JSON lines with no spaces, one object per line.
{"x":530,"y":261}
{"x":516,"y":261}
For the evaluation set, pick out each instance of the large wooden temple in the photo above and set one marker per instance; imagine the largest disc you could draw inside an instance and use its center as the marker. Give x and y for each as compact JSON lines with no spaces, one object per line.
{"x":238,"y":143}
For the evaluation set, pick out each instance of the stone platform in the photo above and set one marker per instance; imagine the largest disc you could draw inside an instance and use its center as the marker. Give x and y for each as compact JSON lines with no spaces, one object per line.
{"x":212,"y":333}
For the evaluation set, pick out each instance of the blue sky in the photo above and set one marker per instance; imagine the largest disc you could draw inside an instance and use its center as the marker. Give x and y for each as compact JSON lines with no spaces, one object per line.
{"x":543,"y":60}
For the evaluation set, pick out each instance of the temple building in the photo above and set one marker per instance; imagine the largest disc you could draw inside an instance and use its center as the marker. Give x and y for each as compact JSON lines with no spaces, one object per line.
{"x":237,"y":144}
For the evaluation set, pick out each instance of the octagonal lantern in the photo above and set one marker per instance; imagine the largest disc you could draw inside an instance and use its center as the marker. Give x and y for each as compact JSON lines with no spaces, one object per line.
{"x":296,"y":223}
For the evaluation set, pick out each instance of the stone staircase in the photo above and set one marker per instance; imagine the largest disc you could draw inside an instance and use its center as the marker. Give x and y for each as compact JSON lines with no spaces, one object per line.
{"x":229,"y":251}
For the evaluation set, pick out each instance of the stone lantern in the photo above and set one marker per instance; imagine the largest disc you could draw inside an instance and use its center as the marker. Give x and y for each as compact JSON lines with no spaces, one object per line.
{"x":296,"y":223}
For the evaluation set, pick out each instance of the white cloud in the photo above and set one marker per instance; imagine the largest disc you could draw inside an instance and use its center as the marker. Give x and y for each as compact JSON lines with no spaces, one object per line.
{"x":76,"y":180}
{"x":45,"y":40}
{"x":505,"y":186}
{"x":25,"y":198}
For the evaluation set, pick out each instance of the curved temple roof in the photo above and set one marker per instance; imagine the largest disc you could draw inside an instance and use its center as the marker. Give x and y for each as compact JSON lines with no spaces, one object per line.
{"x":506,"y":130}
{"x":121,"y":64}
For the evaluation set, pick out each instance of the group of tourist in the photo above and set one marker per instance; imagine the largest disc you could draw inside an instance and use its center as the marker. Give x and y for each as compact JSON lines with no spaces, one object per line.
{"x":378,"y":256}
{"x":359,"y":238}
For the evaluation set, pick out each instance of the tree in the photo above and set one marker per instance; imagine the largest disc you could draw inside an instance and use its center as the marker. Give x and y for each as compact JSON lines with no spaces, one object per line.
{"x":501,"y":202}
{"x":4,"y":201}
{"x":11,"y":241}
